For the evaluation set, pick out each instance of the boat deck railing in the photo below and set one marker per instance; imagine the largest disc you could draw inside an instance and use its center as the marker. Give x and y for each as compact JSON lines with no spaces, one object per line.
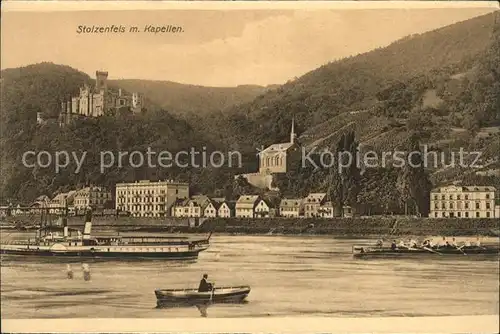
{"x":20,"y":242}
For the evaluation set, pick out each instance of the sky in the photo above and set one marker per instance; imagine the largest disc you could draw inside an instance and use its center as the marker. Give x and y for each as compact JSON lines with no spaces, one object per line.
{"x":216,"y":47}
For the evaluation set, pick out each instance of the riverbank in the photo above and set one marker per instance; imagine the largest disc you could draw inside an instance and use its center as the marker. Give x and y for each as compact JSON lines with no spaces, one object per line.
{"x":348,"y":227}
{"x":341,"y":227}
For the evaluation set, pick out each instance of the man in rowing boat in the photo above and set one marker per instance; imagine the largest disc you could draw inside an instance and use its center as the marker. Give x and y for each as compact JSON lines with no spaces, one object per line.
{"x":205,"y":286}
{"x":478,"y":242}
{"x":442,"y":243}
{"x":454,"y":243}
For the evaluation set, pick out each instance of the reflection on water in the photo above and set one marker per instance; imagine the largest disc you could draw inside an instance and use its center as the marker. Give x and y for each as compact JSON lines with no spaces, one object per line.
{"x":313,"y":276}
{"x":203,"y":310}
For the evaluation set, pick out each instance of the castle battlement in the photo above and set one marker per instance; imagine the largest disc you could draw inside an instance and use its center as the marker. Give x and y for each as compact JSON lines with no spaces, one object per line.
{"x":98,"y":101}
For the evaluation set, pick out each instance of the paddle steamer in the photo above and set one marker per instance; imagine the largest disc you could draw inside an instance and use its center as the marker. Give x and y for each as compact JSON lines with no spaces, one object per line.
{"x":72,"y":243}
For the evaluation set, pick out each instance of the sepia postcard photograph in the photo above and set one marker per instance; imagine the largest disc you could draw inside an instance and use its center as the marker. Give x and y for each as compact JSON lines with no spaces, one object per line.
{"x":250,"y":166}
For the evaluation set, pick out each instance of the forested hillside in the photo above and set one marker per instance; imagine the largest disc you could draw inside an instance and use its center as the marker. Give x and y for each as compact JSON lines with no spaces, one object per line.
{"x":393,"y":79}
{"x":42,"y":87}
{"x":440,"y":89}
{"x":182,"y":99}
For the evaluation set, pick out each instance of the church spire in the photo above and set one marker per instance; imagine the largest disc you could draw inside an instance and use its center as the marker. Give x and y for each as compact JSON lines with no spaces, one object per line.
{"x":292,"y":133}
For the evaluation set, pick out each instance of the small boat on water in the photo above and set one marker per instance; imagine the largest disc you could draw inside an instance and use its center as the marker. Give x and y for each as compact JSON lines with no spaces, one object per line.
{"x":180,"y":297}
{"x":387,"y":252}
{"x":52,"y":244}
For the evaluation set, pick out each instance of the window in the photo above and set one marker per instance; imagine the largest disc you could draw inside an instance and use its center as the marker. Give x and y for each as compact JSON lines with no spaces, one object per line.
{"x":443,"y":206}
{"x":466,"y":205}
{"x":477,"y":214}
{"x":452,"y":214}
{"x":436,"y":206}
{"x":459,"y":214}
{"x":443,"y":198}
{"x":487,"y":196}
{"x":477,"y":205}
{"x":435,"y":197}
{"x":488,"y":214}
{"x":466,"y":215}
{"x":435,"y":214}
{"x":451,"y":205}
{"x":458,"y":197}
{"x":488,"y":206}
{"x":451,"y":197}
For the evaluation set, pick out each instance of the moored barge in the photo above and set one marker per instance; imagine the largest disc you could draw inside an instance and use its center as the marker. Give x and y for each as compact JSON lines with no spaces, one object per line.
{"x":388,"y":252}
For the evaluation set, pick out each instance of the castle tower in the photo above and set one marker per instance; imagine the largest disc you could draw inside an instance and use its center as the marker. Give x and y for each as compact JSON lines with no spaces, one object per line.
{"x":293,"y":135}
{"x":101,"y":81}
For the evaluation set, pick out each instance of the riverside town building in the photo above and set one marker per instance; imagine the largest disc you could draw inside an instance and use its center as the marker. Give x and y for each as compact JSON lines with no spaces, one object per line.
{"x":463,"y":202}
{"x":150,"y":199}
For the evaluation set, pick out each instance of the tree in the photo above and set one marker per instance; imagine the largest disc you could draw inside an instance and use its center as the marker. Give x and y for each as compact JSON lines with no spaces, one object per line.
{"x":344,"y":176}
{"x":413,"y":182}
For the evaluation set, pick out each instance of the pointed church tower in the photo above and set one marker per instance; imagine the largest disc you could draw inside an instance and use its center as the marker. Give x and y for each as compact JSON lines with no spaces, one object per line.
{"x":293,"y":135}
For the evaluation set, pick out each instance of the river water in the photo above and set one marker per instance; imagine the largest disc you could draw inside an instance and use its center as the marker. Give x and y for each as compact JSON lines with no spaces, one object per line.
{"x":289,"y":276}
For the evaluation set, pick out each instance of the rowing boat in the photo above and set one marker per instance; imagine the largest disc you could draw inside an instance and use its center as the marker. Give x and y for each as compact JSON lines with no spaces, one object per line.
{"x":381,"y":252}
{"x":178,"y":297}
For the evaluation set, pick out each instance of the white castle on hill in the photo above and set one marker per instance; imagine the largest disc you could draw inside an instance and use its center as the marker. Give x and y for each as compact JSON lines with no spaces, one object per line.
{"x":98,"y":101}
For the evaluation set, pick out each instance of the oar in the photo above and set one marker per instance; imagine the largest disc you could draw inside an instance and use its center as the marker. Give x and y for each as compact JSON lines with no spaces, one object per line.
{"x":432,"y":250}
{"x":460,"y":249}
{"x":213,"y":291}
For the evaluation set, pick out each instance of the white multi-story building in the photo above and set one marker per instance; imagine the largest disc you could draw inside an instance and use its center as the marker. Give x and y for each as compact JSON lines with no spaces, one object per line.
{"x":149,"y":199}
{"x":61,"y":202}
{"x":312,"y":203}
{"x":463,"y":202}
{"x":91,"y":197}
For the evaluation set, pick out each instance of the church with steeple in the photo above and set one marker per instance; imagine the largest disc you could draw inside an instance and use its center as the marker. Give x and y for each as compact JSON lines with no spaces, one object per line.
{"x":274,"y":159}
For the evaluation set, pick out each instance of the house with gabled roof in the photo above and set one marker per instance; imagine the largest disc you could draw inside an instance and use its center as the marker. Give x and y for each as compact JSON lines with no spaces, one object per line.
{"x":61,"y":202}
{"x":263,"y":209}
{"x":211,"y":208}
{"x":227,"y":209}
{"x":291,"y":207}
{"x":186,"y":208}
{"x":91,"y":197}
{"x":245,"y":206}
{"x":326,"y":210}
{"x":312,"y":203}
